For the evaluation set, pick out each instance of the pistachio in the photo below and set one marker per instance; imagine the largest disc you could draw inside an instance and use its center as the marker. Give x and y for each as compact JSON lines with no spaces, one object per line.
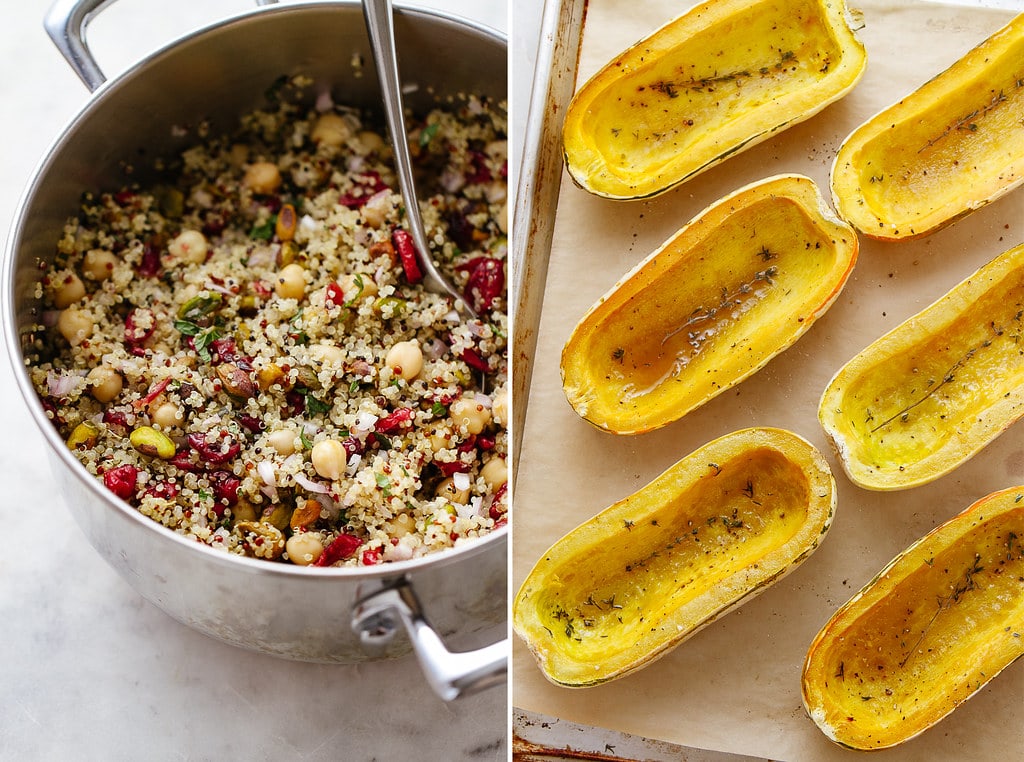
{"x":270,"y":375}
{"x":288,"y":254}
{"x":84,"y":435}
{"x":279,"y":516}
{"x":260,"y":539}
{"x":236,"y":381}
{"x":149,"y":441}
{"x":287,"y":221}
{"x":305,"y":515}
{"x":243,"y":510}
{"x":390,"y":307}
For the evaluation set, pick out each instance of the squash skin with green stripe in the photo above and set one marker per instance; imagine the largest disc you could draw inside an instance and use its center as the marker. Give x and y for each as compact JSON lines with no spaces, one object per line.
{"x":639,"y":578}
{"x":733,"y":288}
{"x":715,"y":81}
{"x":948,"y":148}
{"x":930,"y":394}
{"x":938,"y":623}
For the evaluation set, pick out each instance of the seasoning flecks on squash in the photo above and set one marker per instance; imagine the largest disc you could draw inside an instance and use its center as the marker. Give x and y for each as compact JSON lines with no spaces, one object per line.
{"x":713,"y":82}
{"x":927,"y":396}
{"x":943,"y":151}
{"x":733,"y":288}
{"x":936,"y":624}
{"x":645,"y":574}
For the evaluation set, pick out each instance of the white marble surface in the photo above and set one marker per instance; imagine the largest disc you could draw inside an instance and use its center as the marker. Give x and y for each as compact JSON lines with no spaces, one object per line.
{"x":88,"y":669}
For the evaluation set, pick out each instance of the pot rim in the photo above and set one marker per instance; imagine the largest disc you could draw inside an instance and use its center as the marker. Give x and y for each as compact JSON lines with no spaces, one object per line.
{"x":15,"y":355}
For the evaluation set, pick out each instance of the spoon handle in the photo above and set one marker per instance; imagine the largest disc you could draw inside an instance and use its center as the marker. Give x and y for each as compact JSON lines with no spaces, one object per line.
{"x":380,"y":25}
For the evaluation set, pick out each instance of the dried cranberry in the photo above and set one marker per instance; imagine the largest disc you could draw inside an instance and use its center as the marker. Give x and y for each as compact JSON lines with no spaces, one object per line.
{"x":449,"y":467}
{"x":485,"y":442}
{"x":469,"y":444}
{"x":486,"y":281}
{"x":334,"y":297}
{"x":480,"y":173}
{"x":121,"y":481}
{"x":165,"y":490}
{"x":460,"y":230}
{"x":344,"y":546}
{"x":496,"y":511}
{"x":225,"y":490}
{"x":407,"y":254}
{"x":295,"y":404}
{"x":182,"y":460}
{"x":473,"y":359}
{"x":139,"y":325}
{"x":251,"y":422}
{"x":399,"y":419}
{"x":155,"y":391}
{"x":220,"y":451}
{"x":353,"y":446}
{"x":367,"y":185}
{"x":372,"y":556}
{"x":149,"y":266}
{"x":225,"y":350}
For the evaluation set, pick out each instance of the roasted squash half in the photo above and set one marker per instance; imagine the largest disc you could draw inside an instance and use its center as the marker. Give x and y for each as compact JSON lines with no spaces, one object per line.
{"x":734,"y":287}
{"x":948,"y":148}
{"x":715,"y":81}
{"x":936,"y":624}
{"x":931,"y":393}
{"x":642,"y":576}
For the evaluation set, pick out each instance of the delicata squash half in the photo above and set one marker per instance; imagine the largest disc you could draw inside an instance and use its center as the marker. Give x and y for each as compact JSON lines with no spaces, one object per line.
{"x":931,"y":393}
{"x":719,"y":79}
{"x":642,"y":576}
{"x":734,"y":287}
{"x":936,"y":624}
{"x":948,"y":148}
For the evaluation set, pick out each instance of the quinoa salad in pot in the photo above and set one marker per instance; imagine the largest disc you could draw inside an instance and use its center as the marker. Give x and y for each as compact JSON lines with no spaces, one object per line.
{"x":243,"y":349}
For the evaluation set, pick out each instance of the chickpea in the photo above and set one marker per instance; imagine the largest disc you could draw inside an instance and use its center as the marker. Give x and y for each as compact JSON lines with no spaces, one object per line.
{"x":449,"y":491}
{"x":371,"y":141}
{"x":495,"y":472}
{"x":467,"y":413}
{"x":331,"y":130}
{"x":327,"y":354}
{"x":167,"y":415}
{"x":98,"y":264}
{"x":189,"y":246}
{"x":282,"y":440}
{"x":105,"y":382}
{"x":400,"y":525}
{"x":440,"y":437}
{"x":238,"y":154}
{"x":262,"y":177}
{"x":358,"y":286}
{"x":375,"y":211}
{"x":499,"y":408}
{"x":291,"y":281}
{"x":68,"y":291}
{"x":329,"y":458}
{"x":405,"y":359}
{"x":304,"y":548}
{"x":75,"y":325}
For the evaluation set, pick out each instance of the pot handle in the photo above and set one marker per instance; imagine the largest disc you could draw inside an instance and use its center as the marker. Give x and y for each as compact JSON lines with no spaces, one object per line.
{"x":451,"y":675}
{"x":66,"y":22}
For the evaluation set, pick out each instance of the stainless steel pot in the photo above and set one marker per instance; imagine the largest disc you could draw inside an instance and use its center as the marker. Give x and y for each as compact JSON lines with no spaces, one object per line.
{"x":220,"y":73}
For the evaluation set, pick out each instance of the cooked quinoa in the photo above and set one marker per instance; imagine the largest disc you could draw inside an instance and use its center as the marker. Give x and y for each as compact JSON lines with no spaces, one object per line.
{"x":243,"y":350}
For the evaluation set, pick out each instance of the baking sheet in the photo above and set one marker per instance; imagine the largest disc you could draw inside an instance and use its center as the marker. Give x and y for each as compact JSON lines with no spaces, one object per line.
{"x":735,"y":687}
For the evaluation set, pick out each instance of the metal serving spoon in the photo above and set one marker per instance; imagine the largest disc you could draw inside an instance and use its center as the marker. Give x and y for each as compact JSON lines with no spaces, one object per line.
{"x":380,"y":25}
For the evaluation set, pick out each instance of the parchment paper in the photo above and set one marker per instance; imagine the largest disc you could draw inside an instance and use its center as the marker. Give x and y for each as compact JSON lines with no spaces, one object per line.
{"x":735,"y":686}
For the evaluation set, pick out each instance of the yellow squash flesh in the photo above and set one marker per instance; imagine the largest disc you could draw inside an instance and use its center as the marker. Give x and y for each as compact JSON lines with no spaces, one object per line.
{"x":948,"y":148}
{"x":733,"y":288}
{"x":931,"y":393}
{"x":642,"y":576}
{"x":940,"y":621}
{"x":715,"y":81}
